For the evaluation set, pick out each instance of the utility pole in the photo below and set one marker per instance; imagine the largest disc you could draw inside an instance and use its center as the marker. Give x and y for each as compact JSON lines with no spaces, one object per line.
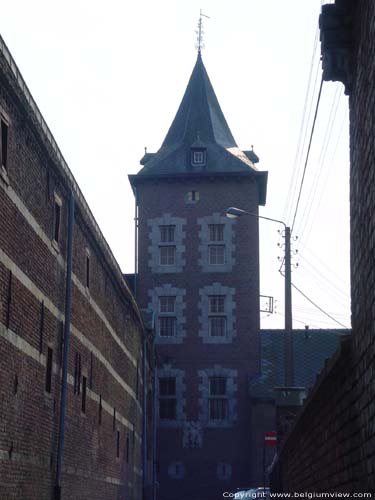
{"x":288,"y":332}
{"x":288,"y":335}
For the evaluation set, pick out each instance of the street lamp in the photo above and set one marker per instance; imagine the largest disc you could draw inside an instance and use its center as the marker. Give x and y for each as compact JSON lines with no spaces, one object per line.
{"x":234,"y":212}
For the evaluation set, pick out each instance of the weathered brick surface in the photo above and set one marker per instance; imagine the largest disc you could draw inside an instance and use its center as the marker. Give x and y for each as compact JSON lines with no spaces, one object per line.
{"x":335,"y":436}
{"x":31,"y":320}
{"x":228,"y":445}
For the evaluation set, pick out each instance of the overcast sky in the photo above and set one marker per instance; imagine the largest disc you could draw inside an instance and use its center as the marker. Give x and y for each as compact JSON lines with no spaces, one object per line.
{"x":108,"y":78}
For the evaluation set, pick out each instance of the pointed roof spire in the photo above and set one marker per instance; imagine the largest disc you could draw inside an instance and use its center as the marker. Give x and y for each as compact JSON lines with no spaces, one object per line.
{"x":200,"y":124}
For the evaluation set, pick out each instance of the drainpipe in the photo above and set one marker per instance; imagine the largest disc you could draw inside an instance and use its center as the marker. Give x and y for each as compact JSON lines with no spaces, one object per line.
{"x":154,"y":417}
{"x":135,"y":243}
{"x":68,"y":309}
{"x":144,"y":442}
{"x":154,"y":468}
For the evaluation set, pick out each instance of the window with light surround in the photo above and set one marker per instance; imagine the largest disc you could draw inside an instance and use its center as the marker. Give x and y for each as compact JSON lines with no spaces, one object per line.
{"x":216,"y":255}
{"x":167,"y":398}
{"x":167,"y":234}
{"x":216,"y":232}
{"x":218,"y":398}
{"x":167,"y":255}
{"x":167,"y":318}
{"x":217,"y":321}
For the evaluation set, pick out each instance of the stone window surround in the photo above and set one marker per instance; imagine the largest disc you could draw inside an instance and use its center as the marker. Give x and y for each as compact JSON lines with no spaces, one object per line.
{"x":204,"y":237}
{"x":155,"y":243}
{"x":167,"y":371}
{"x":204,"y":390}
{"x":168,"y":290}
{"x":216,"y":289}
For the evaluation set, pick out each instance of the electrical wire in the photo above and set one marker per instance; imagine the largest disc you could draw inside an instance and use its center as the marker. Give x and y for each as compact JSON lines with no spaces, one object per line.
{"x":318,"y":307}
{"x":307,"y":155}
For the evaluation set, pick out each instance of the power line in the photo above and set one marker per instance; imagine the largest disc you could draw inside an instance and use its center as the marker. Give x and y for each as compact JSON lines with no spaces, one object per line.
{"x":318,"y":307}
{"x":307,"y":154}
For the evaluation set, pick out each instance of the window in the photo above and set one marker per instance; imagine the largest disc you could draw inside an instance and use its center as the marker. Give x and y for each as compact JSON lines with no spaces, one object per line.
{"x":87,"y":269}
{"x":216,"y":232}
{"x":217,"y":325}
{"x":49,"y":365}
{"x":167,"y":326}
{"x":216,"y":254}
{"x":218,"y":401}
{"x":77,"y":373}
{"x":100,"y":409}
{"x":167,"y":256}
{"x":4,"y":144}
{"x":118,"y":444}
{"x":57,"y":219}
{"x":167,"y":398}
{"x":198,"y":158}
{"x":193,"y":196}
{"x":167,"y":234}
{"x":84,"y":387}
{"x":167,"y":304}
{"x":216,"y":303}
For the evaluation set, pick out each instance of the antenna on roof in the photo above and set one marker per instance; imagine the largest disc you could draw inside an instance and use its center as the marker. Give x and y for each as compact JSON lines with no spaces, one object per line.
{"x":200,"y":32}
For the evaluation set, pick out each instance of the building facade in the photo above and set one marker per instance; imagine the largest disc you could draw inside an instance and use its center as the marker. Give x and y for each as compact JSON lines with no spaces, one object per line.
{"x":63,"y":304}
{"x":199,"y":274}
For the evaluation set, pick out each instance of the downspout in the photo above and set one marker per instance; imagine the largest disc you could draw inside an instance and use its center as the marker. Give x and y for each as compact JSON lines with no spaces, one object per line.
{"x":154,"y":420}
{"x":135,"y":243}
{"x":68,"y":310}
{"x":144,"y":442}
{"x":154,"y":464}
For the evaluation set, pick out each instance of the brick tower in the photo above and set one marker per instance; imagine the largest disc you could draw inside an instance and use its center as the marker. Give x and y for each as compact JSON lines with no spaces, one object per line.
{"x":199,"y":273}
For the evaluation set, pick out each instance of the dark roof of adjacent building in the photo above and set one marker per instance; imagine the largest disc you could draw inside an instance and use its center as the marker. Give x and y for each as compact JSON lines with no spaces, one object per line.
{"x":200,"y":124}
{"x":311,"y":348}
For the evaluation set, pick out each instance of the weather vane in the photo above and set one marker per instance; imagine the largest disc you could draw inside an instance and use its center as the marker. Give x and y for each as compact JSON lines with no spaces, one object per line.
{"x":200,"y":32}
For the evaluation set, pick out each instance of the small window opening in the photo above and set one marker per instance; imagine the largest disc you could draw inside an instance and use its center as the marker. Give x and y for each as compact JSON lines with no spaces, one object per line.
{"x":118,"y":444}
{"x":77,"y":373}
{"x":15,"y":387}
{"x":87,"y":271}
{"x":84,"y":390}
{"x":41,"y":327}
{"x":4,"y":144}
{"x":49,"y":369}
{"x":91,"y":370}
{"x":57,"y":220}
{"x":100,"y":409}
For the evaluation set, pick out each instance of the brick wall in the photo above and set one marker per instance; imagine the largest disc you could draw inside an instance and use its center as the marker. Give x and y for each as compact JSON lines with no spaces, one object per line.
{"x":102,"y":456}
{"x":229,"y":444}
{"x":340,"y":414}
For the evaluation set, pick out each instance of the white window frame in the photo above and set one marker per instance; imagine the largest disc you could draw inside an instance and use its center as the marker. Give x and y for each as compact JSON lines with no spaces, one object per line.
{"x":218,"y":398}
{"x":213,"y":260}
{"x":166,"y":260}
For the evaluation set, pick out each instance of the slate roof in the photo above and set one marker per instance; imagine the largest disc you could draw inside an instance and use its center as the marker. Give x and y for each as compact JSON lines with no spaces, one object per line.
{"x":311,"y":348}
{"x":200,"y":121}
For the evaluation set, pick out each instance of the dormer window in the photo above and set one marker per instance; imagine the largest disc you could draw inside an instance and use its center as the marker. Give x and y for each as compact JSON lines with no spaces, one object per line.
{"x":198,"y":158}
